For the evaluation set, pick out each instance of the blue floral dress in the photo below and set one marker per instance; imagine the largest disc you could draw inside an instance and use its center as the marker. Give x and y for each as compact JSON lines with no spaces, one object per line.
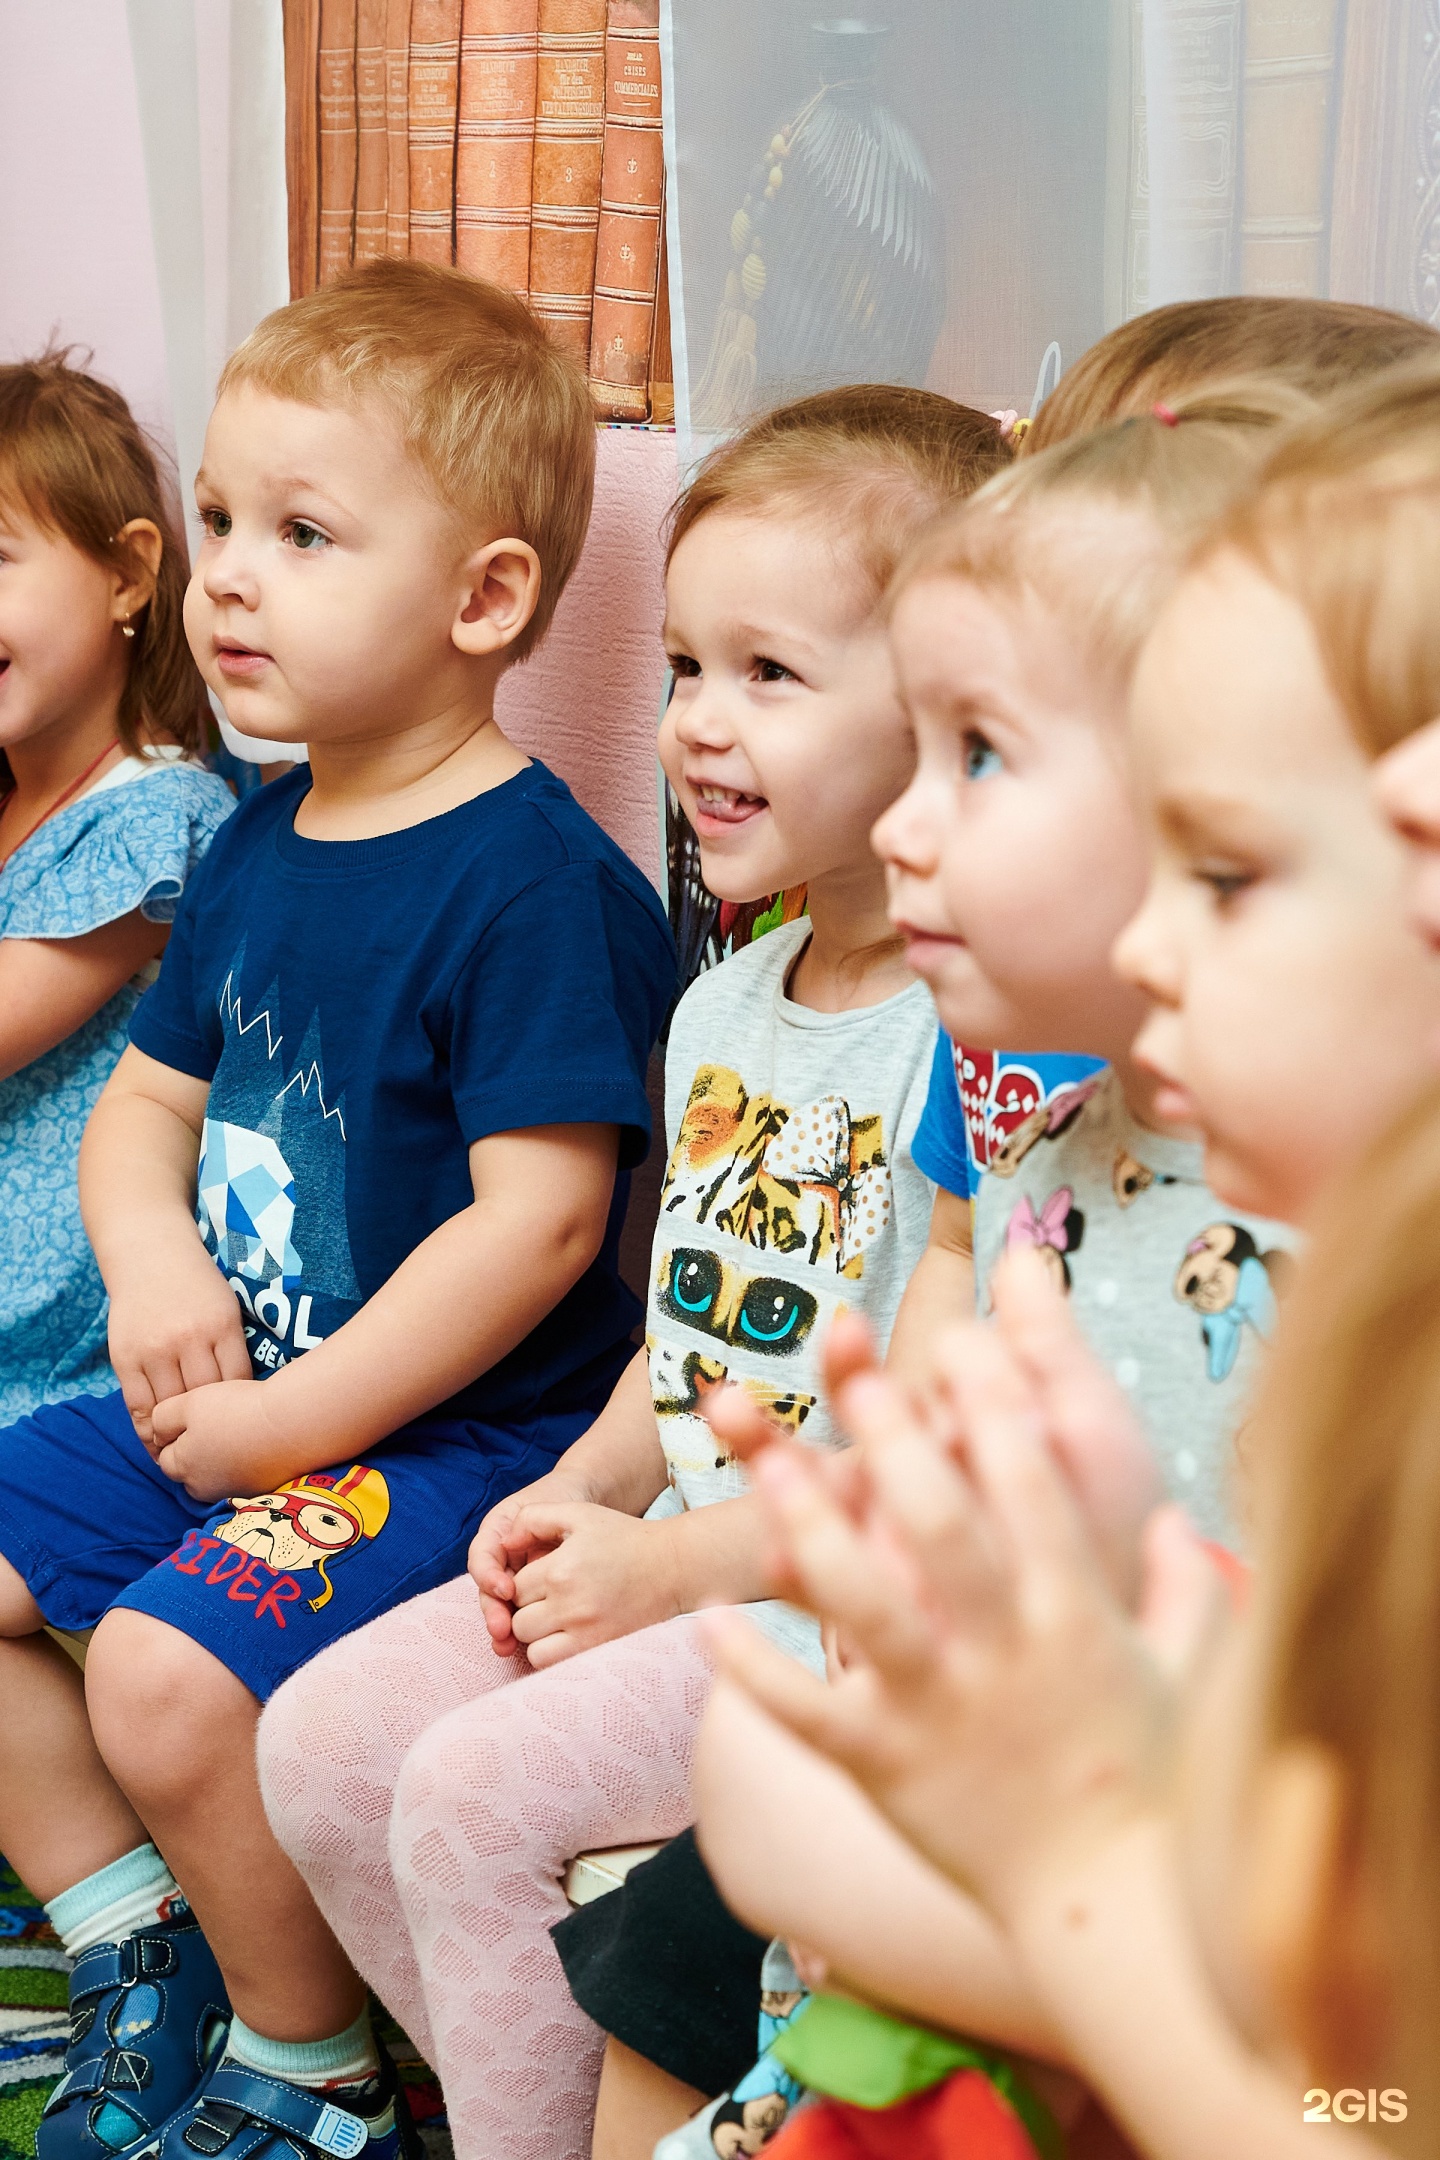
{"x":130,"y":843}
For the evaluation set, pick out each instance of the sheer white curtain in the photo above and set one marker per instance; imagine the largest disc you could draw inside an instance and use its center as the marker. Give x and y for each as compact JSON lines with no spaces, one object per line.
{"x":937,"y":190}
{"x":210,"y":94}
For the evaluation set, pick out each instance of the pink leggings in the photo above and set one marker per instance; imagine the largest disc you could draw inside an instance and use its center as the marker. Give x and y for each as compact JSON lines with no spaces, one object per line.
{"x":432,"y":1793}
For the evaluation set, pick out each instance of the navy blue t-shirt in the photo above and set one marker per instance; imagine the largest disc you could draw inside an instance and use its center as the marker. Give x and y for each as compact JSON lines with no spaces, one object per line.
{"x":365,"y":1010}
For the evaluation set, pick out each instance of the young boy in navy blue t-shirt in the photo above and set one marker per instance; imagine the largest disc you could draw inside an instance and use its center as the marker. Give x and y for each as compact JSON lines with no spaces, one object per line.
{"x":353,"y":1190}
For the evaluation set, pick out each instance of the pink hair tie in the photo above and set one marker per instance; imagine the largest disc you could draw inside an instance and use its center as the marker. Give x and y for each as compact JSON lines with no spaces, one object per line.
{"x":1166,"y":415}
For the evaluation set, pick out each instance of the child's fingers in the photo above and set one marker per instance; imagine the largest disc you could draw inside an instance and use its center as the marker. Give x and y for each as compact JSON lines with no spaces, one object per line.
{"x":1184,"y":1599}
{"x":162,"y":1375}
{"x":552,"y":1649}
{"x":844,"y":1576}
{"x":497,"y":1617}
{"x":170,"y":1419}
{"x":737,"y":1419}
{"x":1092,"y":1424}
{"x":782,"y":1686}
{"x":200,"y":1367}
{"x":231,"y":1355}
{"x":485,"y":1565}
{"x":927,"y":1502}
{"x":533,"y":1617}
{"x":1049,"y":1550}
{"x":848,"y":1349}
{"x":539,"y":1522}
{"x":140,"y":1403}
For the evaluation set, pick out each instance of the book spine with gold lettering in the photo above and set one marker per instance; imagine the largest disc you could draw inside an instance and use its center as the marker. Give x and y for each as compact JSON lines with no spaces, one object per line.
{"x":397,"y":127}
{"x":372,"y":151}
{"x":301,"y":20}
{"x":632,"y":193}
{"x":1288,"y":138}
{"x":495,"y":152}
{"x":335,"y":91}
{"x":434,"y":85}
{"x":569,"y":135}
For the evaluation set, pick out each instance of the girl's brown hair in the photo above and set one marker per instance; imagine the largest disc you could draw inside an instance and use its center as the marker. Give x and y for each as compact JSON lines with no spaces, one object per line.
{"x":73,"y":459}
{"x":1346,"y":1440}
{"x":1157,"y":483}
{"x":1316,"y":346}
{"x":1345,"y":519}
{"x":872,"y":461}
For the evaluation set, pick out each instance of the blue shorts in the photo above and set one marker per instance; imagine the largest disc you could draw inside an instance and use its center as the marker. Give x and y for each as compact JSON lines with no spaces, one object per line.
{"x":263,"y":1584}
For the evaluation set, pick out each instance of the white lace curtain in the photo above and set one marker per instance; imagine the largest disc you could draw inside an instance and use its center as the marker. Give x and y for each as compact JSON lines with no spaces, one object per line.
{"x":944,"y":191}
{"x":210,"y":94}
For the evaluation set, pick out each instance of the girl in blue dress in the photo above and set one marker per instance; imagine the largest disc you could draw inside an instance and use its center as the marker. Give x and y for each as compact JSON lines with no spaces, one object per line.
{"x":104,"y":812}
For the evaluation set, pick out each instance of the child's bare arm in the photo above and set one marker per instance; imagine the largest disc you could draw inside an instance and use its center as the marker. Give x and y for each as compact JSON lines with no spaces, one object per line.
{"x":940,"y":1292}
{"x":798,"y":1850}
{"x":464,"y":1297}
{"x":1112,"y":1951}
{"x":49,"y":987}
{"x":174,"y":1323}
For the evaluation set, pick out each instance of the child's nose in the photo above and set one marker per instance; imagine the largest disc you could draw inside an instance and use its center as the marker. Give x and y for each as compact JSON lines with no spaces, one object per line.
{"x":700,"y":720}
{"x":1143,"y":956}
{"x":226,"y":575}
{"x":903,"y":836}
{"x":1407,"y":787}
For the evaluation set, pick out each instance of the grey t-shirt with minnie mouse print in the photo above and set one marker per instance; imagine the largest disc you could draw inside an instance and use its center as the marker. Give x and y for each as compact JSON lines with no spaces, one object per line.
{"x":1176,"y":1291}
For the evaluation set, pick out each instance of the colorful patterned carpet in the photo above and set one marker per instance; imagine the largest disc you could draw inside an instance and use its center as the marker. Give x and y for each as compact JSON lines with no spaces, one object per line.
{"x":34,"y":2026}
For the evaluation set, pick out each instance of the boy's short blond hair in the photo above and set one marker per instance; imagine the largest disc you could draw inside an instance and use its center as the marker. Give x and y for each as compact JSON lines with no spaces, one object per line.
{"x":1100,"y":527}
{"x":1345,"y":519}
{"x":496,"y":416}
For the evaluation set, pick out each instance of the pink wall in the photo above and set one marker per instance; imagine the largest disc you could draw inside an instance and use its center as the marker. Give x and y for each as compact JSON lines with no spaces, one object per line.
{"x":75,"y":253}
{"x":588,"y":703}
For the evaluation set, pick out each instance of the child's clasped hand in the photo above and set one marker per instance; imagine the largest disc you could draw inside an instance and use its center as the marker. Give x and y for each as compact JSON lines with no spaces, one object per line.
{"x":558,"y":1574}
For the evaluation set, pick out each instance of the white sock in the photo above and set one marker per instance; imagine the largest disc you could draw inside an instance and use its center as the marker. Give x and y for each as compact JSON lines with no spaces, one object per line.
{"x":135,"y":1891}
{"x":345,"y":2060}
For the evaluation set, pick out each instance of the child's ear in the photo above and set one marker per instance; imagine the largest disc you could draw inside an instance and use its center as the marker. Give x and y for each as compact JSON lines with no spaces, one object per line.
{"x":1313,"y":1932}
{"x":502,"y":592}
{"x":144,"y":545}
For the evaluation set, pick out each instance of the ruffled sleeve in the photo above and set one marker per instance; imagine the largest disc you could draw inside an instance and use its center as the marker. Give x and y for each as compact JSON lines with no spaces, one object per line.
{"x":108,"y":854}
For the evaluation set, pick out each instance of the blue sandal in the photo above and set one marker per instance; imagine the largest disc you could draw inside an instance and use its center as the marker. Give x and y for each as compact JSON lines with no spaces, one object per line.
{"x":248,"y":2115}
{"x":149,"y":2017}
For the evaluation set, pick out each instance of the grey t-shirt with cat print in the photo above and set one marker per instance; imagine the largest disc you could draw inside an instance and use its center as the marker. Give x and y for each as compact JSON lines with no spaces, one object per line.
{"x":1176,"y":1291}
{"x":790,"y":1193}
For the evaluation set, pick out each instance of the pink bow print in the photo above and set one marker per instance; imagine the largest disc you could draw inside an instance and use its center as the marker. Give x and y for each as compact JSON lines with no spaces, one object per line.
{"x":1046,"y":1228}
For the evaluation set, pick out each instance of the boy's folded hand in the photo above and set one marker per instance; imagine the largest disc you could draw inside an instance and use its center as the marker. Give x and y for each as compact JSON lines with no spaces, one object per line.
{"x":217,"y":1441}
{"x":174,"y":1326}
{"x":600,"y":1574}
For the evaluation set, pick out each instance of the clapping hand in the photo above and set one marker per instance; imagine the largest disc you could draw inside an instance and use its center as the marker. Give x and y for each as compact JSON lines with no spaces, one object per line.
{"x":1016,"y":1608}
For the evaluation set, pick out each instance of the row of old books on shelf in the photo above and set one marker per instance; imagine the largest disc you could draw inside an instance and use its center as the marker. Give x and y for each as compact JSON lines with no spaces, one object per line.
{"x":519,"y":139}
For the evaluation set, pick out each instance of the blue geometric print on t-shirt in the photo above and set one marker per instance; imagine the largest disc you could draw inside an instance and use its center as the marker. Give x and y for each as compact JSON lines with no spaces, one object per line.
{"x":271,"y":1197}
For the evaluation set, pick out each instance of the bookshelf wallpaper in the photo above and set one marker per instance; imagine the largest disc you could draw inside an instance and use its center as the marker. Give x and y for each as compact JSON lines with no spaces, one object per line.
{"x":518,"y":139}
